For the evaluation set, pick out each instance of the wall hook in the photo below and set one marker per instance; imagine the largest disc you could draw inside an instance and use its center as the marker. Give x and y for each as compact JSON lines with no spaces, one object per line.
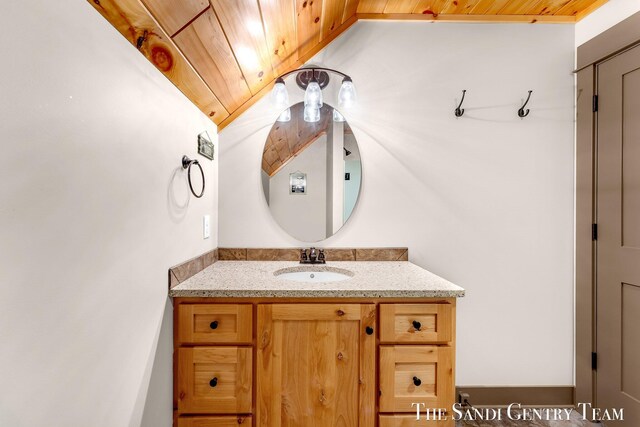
{"x":458,"y":111}
{"x":522,"y":112}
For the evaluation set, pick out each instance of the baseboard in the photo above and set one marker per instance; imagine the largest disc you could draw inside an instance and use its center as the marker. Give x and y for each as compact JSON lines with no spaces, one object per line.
{"x":557,"y":396}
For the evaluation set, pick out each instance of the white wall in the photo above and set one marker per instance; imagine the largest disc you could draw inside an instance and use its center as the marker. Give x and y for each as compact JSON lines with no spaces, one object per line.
{"x":485,"y":200}
{"x":302,"y":215}
{"x":603,"y":18}
{"x":90,"y":220}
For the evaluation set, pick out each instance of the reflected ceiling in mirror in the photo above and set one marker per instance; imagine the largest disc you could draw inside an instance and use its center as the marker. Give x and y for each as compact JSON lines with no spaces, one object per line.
{"x":311,"y":173}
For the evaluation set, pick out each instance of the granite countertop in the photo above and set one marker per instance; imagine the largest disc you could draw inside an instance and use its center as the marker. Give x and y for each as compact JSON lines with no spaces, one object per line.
{"x":371,"y":279}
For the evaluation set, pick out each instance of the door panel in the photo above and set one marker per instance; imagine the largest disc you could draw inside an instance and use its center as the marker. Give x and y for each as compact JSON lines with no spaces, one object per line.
{"x":618,"y":244}
{"x":315,"y":365}
{"x":631,"y":159}
{"x":631,"y":341}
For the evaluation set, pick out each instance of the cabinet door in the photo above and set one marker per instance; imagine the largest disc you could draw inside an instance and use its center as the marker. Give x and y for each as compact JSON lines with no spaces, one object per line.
{"x":416,"y":323}
{"x":420,"y":374}
{"x":214,"y":323}
{"x":316,"y":365}
{"x":214,"y":380}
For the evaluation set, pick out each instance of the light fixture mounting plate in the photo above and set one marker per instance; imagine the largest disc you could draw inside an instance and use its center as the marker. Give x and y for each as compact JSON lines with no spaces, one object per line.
{"x":303,"y":77}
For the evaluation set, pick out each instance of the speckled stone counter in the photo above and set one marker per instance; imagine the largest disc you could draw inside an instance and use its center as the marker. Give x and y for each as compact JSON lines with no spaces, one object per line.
{"x":371,"y":279}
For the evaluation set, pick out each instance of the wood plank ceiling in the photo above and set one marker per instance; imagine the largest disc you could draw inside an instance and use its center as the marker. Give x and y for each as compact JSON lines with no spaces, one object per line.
{"x":225,"y":54}
{"x":289,"y":139}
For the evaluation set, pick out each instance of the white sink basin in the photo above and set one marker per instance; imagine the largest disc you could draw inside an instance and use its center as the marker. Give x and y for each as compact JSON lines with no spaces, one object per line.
{"x":310,"y":274}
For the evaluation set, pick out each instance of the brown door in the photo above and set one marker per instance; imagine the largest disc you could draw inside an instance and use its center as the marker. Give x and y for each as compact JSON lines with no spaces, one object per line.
{"x":618,"y":243}
{"x":316,"y":365}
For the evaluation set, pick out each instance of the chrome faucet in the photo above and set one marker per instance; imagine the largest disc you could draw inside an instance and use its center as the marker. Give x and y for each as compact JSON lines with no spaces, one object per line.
{"x":315,"y":256}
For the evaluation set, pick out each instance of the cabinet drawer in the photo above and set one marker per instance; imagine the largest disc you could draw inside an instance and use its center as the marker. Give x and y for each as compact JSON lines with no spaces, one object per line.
{"x":221,"y":421}
{"x":410,"y":421}
{"x":421,"y":374}
{"x":215,"y":323}
{"x":416,"y":323}
{"x":214,"y":380}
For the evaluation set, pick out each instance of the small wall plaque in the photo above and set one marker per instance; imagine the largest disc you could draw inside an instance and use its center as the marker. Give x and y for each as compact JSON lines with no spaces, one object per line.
{"x":297,"y":183}
{"x":205,"y":146}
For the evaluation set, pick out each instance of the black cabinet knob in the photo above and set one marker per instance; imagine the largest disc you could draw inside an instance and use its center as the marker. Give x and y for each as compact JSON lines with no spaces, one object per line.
{"x":214,"y":324}
{"x":416,"y":325}
{"x":416,"y":381}
{"x":369,"y":330}
{"x":213,"y":382}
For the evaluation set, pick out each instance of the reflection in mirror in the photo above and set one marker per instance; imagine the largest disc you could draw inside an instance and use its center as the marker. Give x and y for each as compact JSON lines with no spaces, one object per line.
{"x":311,"y":173}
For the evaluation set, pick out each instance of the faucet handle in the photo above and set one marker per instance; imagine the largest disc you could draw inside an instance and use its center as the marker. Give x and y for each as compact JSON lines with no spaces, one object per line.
{"x":321,"y":255}
{"x":303,"y":255}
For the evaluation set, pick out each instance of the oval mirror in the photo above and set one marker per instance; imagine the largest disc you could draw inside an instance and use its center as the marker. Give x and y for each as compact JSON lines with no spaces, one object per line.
{"x":311,"y":172}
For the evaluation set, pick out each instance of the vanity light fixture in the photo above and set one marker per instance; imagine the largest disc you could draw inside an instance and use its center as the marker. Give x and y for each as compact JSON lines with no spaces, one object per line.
{"x":347,"y":93}
{"x":285,"y":116}
{"x":311,"y":114}
{"x":313,"y":80}
{"x":279,"y":95}
{"x":313,"y":94}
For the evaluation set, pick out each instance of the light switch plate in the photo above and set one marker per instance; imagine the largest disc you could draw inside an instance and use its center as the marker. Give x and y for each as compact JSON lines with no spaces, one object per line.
{"x":206,"y":227}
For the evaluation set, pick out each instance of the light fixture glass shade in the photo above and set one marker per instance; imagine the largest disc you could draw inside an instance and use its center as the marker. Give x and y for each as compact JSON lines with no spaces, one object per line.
{"x":311,"y":115}
{"x":337,"y":117}
{"x":313,"y":95}
{"x":279,"y":95}
{"x":285,"y":116}
{"x":347,"y":94}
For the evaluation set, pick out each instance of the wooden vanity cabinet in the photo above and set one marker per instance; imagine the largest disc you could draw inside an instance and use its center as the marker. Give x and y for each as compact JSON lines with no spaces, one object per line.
{"x":270,"y":362}
{"x":316,"y":365}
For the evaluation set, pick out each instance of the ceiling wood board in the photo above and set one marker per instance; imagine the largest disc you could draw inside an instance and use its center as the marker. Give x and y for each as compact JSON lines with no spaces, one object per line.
{"x":332,"y":12}
{"x":308,"y":14}
{"x":400,"y":6}
{"x":489,"y":7}
{"x":241,"y":23}
{"x":302,"y":59}
{"x":288,"y":139}
{"x":350,"y":8}
{"x":225,"y":54}
{"x":574,"y":7}
{"x":527,"y":19}
{"x":279,"y":17}
{"x":135,"y":23}
{"x":370,"y":6}
{"x":459,"y":7}
{"x":174,"y":15}
{"x":548,"y":7}
{"x":204,"y":44}
{"x":518,"y":7}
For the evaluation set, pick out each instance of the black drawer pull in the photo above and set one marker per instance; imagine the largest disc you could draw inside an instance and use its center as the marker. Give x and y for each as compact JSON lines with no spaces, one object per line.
{"x":214,"y":324}
{"x":213,"y":382}
{"x":416,"y":381}
{"x":416,"y":325}
{"x":369,"y":330}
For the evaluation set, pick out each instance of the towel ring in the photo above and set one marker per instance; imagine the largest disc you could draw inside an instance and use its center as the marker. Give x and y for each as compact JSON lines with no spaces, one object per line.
{"x":186,"y":164}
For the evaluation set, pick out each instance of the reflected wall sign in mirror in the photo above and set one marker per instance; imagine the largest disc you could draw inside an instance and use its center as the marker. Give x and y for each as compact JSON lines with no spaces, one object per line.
{"x":322,"y":161}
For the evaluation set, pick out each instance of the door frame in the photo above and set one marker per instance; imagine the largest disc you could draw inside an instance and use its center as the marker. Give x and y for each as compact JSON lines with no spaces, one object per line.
{"x":619,"y":38}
